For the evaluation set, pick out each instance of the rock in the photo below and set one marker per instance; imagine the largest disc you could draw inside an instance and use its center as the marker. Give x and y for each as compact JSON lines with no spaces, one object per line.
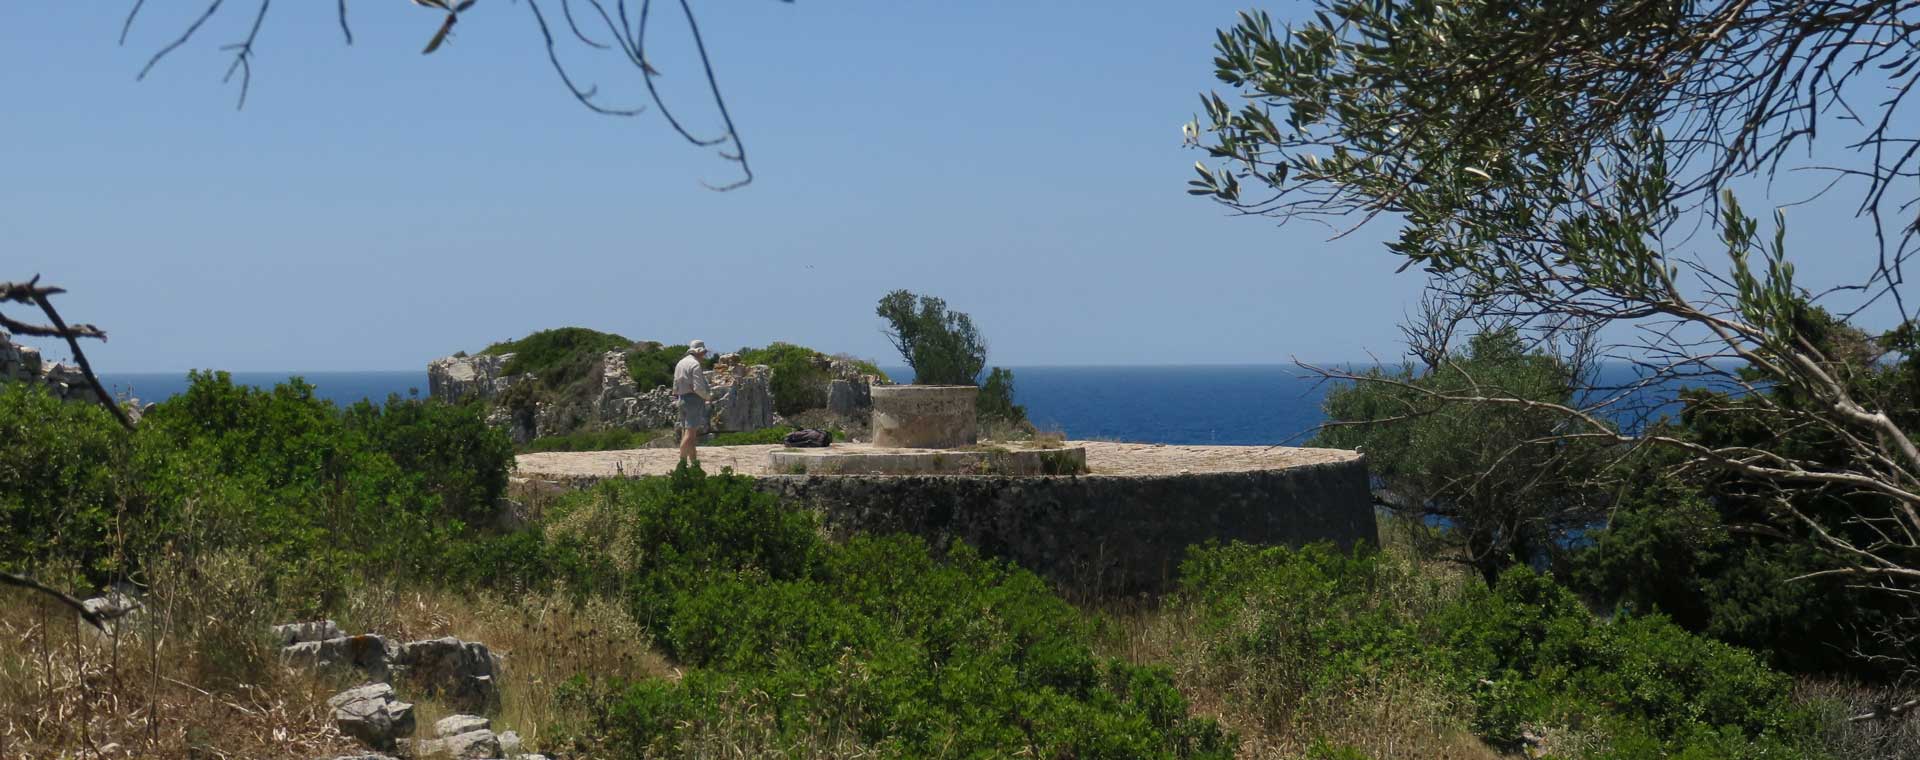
{"x":454,"y":378}
{"x":510,"y":744}
{"x":472,"y":745}
{"x":367,"y":652}
{"x":460,"y":672}
{"x":849,"y":398}
{"x":300,"y":633}
{"x":742,"y":398}
{"x":371,"y":714}
{"x":460,"y":724}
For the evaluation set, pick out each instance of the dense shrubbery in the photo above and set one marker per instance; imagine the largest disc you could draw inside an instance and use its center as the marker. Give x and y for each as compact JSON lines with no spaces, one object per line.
{"x":557,"y":356}
{"x":798,"y":384}
{"x":594,"y":440}
{"x":317,"y":495}
{"x":1525,"y":654}
{"x":651,"y":365}
{"x":880,"y":640}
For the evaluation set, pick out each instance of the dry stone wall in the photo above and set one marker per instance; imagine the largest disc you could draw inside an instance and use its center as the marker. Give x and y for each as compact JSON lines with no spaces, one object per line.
{"x":1099,"y":534}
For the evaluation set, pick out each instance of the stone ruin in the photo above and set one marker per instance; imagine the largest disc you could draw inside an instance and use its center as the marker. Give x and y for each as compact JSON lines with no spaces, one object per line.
{"x":23,"y":363}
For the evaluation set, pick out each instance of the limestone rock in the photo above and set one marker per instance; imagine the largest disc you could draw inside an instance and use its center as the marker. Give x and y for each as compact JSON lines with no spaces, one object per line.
{"x":372,"y":715}
{"x":510,"y":744}
{"x":460,"y":672}
{"x":369,"y":653}
{"x":300,"y":633}
{"x":460,"y":724}
{"x":742,"y":397}
{"x":453,"y":378}
{"x":479,"y":744}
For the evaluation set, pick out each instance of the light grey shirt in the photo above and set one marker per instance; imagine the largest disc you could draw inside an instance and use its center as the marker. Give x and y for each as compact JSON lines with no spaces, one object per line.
{"x":690,"y":377}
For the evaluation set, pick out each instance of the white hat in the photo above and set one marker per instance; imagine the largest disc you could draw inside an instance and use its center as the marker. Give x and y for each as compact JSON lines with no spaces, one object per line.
{"x":699,"y":346}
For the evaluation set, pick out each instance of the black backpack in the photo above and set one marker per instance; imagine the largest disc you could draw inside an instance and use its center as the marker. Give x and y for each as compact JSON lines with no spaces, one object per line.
{"x":809,"y":438}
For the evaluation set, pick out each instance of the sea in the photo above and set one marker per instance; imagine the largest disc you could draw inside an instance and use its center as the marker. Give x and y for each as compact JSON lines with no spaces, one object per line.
{"x":1190,"y":404}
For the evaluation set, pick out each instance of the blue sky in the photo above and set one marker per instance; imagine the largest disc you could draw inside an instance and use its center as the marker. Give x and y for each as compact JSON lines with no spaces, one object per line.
{"x":373,"y":208}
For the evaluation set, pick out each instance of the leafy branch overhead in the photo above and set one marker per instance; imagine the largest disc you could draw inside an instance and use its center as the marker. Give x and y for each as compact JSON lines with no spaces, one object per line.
{"x":1550,"y":164}
{"x":625,"y":29}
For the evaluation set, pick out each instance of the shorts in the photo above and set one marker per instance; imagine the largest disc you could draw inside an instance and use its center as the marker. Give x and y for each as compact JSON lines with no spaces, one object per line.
{"x":693,"y":412}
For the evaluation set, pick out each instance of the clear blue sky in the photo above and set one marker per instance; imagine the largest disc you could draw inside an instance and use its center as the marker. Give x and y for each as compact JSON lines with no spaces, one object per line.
{"x":373,"y":208}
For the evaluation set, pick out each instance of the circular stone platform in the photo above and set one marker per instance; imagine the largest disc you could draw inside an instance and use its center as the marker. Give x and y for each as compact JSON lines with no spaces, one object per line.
{"x":1103,"y":458}
{"x":1007,"y":459}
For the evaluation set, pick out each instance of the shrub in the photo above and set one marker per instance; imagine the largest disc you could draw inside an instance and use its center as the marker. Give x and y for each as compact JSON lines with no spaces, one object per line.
{"x":759,"y":437}
{"x":651,"y":365}
{"x":879,"y":642}
{"x":594,"y":440}
{"x":798,"y":383}
{"x":457,"y":457}
{"x":1295,"y":625}
{"x":556,"y":355}
{"x":62,"y":481}
{"x":942,"y":346}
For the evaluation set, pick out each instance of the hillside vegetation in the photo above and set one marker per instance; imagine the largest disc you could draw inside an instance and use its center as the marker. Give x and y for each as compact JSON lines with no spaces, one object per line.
{"x":691,"y":615}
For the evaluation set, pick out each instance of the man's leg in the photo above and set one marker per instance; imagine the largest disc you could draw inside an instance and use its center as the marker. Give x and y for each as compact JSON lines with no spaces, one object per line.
{"x":689,"y":437}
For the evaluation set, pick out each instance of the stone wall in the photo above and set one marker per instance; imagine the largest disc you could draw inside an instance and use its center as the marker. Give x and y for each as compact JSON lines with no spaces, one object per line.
{"x":1098,"y":534}
{"x":23,"y":363}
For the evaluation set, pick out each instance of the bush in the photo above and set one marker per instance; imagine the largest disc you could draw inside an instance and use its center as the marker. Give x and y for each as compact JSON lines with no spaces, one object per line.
{"x":651,"y":365}
{"x":798,"y":383}
{"x":557,"y":355}
{"x":594,"y":440}
{"x":880,"y":641}
{"x":1525,"y":653}
{"x":942,"y":346}
{"x":457,"y":457}
{"x":62,"y":481}
{"x":994,"y":406}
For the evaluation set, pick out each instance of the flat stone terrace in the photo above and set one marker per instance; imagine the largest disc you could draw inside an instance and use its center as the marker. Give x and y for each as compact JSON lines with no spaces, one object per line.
{"x":1103,"y":458}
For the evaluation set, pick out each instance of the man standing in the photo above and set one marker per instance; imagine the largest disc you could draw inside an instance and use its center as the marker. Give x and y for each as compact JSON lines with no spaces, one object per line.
{"x":690,"y":387}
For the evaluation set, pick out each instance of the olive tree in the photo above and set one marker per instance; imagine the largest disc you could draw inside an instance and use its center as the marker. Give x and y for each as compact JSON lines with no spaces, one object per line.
{"x":1557,"y":160}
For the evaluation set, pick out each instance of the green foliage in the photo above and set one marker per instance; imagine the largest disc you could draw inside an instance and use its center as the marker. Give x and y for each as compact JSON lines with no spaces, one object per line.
{"x":62,"y":488}
{"x":995,"y":404}
{"x":1507,"y":501}
{"x":799,"y":377}
{"x":557,"y":355}
{"x":880,"y":639}
{"x":651,"y":365}
{"x":942,"y":346}
{"x":1523,"y":653}
{"x":759,"y":437}
{"x":594,"y":440}
{"x":456,"y":456}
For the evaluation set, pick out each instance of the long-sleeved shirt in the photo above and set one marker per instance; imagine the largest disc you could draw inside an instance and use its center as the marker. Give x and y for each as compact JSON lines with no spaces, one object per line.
{"x":690,"y":377}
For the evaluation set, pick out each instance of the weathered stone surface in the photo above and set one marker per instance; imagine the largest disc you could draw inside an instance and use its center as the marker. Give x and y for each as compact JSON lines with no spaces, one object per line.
{"x":23,"y":363}
{"x":369,"y":653}
{"x":460,"y":672}
{"x":510,"y":744}
{"x":481,"y":744}
{"x":848,"y":398}
{"x":925,"y":416}
{"x":456,"y":377}
{"x":460,"y":724}
{"x":1103,"y":534}
{"x":372,"y":715}
{"x":742,"y":397}
{"x":297,"y":633}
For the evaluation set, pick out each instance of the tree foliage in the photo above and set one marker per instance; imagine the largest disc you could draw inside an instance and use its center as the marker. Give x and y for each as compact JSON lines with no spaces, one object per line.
{"x":1552,"y":160}
{"x":941,"y":346}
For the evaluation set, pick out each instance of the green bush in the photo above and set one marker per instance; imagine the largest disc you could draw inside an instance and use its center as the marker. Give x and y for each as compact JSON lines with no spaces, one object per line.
{"x":798,"y":384}
{"x":457,"y":457}
{"x":752,"y":437}
{"x":903,"y":649}
{"x":594,"y":440}
{"x":1525,"y":653}
{"x":62,"y":481}
{"x":557,"y":355}
{"x":994,"y":406}
{"x":651,"y":365}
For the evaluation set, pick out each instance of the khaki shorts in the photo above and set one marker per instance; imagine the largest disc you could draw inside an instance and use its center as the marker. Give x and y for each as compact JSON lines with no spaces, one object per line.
{"x":693,"y":412}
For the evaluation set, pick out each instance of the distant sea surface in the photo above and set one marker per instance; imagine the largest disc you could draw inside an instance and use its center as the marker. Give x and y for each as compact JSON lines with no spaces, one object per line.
{"x":1228,"y":405}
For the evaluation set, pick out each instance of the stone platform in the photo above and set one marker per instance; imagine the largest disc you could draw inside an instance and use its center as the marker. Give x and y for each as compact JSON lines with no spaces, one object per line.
{"x":1008,"y":459}
{"x":1121,"y":528}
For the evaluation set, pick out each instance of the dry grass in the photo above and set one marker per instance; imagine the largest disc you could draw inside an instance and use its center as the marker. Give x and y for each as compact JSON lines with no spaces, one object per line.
{"x":169,"y":683}
{"x":1837,"y":701}
{"x":543,"y":640}
{"x":1388,"y":718}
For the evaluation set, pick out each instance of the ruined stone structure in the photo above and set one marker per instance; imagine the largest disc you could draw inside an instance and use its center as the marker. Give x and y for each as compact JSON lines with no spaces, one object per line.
{"x":23,"y":363}
{"x":743,"y":397}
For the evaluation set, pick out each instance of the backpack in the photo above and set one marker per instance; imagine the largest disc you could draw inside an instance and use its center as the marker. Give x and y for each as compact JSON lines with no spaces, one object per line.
{"x":809,"y":438}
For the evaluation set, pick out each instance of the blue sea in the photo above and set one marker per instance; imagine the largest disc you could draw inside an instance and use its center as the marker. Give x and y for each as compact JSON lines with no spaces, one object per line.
{"x":1228,"y":405}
